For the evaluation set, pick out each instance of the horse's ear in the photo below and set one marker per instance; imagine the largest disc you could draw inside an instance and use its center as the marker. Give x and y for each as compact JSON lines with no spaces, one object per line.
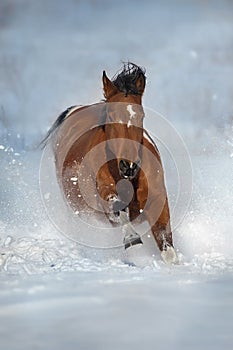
{"x":109,"y":88}
{"x":141,"y":83}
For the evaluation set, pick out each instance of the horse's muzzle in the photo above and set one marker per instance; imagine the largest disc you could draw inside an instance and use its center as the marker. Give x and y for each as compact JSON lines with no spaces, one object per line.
{"x":129,"y":170}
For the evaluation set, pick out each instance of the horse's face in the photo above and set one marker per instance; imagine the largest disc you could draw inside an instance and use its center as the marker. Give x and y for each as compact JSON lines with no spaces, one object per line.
{"x":124,"y":132}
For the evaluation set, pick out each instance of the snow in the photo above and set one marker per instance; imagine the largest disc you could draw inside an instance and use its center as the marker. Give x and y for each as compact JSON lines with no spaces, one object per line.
{"x":58,"y":294}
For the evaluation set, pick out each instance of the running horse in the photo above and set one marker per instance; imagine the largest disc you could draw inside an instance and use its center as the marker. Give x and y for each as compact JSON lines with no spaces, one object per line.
{"x":106,"y":145}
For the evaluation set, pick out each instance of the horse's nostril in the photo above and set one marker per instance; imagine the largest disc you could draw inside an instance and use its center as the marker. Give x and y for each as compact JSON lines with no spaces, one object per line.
{"x":123,"y":165}
{"x":135,"y":165}
{"x":129,"y":169}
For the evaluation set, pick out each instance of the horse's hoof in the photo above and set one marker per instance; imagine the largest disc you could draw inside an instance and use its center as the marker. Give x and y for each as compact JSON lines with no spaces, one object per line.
{"x":131,"y":241}
{"x":114,"y":218}
{"x":169,"y":255}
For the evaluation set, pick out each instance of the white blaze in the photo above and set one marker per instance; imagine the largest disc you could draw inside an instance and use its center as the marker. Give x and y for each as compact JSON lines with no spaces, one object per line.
{"x":131,"y":114}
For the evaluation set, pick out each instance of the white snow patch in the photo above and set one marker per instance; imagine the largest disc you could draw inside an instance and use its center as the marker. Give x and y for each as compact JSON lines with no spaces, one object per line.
{"x":47,"y":196}
{"x":74,"y":178}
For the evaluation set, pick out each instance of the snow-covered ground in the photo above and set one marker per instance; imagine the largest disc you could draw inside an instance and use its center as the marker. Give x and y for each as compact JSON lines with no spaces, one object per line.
{"x":55,"y":294}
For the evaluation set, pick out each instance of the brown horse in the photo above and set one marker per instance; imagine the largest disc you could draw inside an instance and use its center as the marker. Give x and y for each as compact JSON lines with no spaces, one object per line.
{"x":107,"y":161}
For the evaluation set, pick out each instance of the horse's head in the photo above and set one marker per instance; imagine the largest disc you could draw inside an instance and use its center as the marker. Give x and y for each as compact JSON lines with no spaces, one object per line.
{"x":124,"y":120}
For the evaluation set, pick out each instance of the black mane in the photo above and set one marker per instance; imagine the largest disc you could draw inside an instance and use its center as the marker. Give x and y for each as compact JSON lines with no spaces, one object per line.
{"x":125,"y":81}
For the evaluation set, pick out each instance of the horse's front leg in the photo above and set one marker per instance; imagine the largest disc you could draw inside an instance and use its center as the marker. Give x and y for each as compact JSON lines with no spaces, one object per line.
{"x":156,"y":212}
{"x":131,"y":236}
{"x":115,"y":208}
{"x":106,"y":187}
{"x":161,"y":229}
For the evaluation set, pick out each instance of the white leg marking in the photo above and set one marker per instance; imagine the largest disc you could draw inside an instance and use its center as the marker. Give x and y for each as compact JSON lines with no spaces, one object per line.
{"x":169,"y":256}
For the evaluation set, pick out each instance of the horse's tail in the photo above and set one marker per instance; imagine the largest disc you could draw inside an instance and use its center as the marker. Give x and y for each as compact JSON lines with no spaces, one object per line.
{"x":55,"y":125}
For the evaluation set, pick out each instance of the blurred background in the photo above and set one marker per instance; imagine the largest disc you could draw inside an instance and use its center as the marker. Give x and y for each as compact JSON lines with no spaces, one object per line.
{"x":53,"y":54}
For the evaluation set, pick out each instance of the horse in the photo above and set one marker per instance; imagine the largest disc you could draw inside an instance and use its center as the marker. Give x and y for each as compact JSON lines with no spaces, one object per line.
{"x":106,"y":160}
